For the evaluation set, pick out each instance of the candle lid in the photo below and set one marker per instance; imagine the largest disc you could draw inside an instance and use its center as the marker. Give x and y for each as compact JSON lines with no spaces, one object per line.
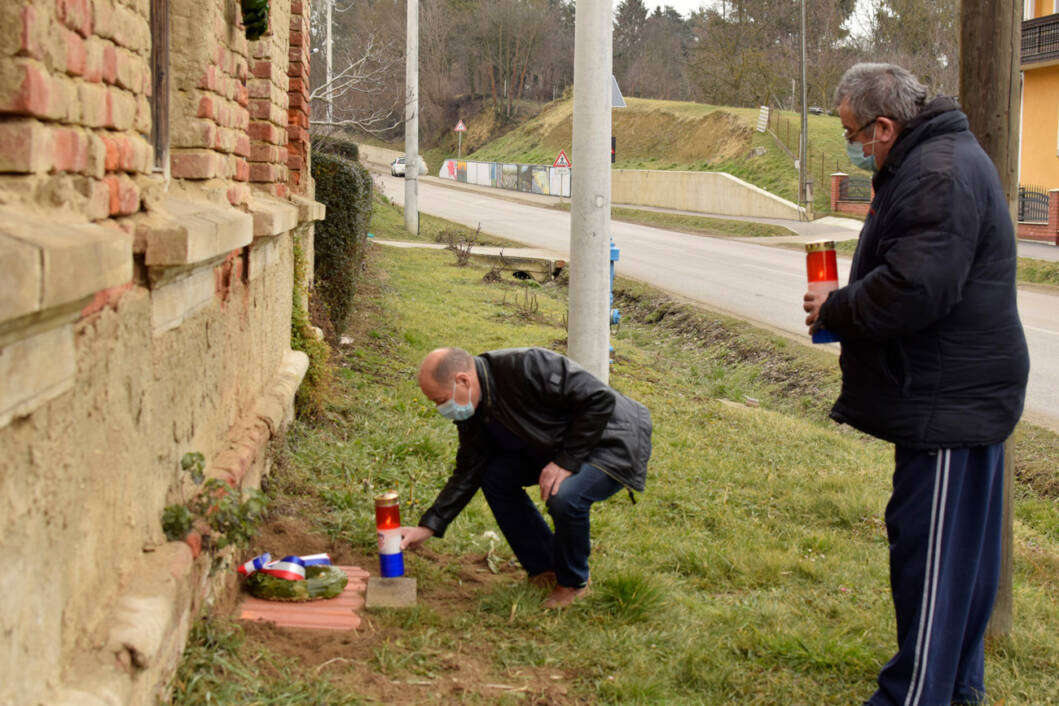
{"x":820,"y":245}
{"x":387,"y":499}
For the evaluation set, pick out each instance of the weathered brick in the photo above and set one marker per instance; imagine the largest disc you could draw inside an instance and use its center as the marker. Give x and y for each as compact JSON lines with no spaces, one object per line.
{"x":94,"y":47}
{"x":264,"y":172}
{"x":75,"y":14}
{"x":196,"y":164}
{"x":239,"y":194}
{"x":296,"y":133}
{"x":264,"y":152}
{"x":225,"y":140}
{"x":242,"y":95}
{"x":70,"y":150}
{"x":260,"y":88}
{"x":26,"y":89}
{"x":295,"y":161}
{"x":206,"y":107}
{"x":241,"y":169}
{"x":265,"y":131}
{"x":196,"y":132}
{"x":121,"y":109}
{"x":33,"y":34}
{"x":110,"y":63}
{"x":25,"y":146}
{"x":297,"y":39}
{"x":260,"y":109}
{"x":124,"y":195}
{"x":208,"y":80}
{"x":130,"y":71}
{"x":242,"y":144}
{"x":143,"y":115}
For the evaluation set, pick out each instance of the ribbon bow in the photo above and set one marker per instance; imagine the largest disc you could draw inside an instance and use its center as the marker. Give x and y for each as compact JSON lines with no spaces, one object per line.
{"x":290,"y":567}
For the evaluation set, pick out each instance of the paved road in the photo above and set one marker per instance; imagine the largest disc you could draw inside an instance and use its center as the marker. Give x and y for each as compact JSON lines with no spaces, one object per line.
{"x":740,"y":277}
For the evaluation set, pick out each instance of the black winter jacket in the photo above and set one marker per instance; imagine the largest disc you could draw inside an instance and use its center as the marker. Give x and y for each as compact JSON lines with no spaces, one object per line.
{"x":557,"y":408}
{"x":933,"y":352}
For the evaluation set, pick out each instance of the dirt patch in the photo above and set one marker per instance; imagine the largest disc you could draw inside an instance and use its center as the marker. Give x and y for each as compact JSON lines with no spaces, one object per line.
{"x":359,"y":662}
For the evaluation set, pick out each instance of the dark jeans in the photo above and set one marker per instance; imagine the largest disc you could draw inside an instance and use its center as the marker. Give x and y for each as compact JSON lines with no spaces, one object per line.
{"x":944,"y":526}
{"x":539,"y":549}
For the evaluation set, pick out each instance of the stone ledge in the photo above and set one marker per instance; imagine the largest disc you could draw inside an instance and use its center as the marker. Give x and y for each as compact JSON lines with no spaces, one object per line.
{"x":308,"y":209}
{"x":35,"y":370}
{"x":272,"y":216}
{"x":186,"y":231}
{"x":55,"y":264}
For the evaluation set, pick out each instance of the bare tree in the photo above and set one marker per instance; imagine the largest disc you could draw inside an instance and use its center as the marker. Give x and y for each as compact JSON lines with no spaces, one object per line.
{"x":360,"y":94}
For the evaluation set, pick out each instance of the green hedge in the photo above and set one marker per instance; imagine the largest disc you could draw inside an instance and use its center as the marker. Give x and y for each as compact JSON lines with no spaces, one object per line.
{"x":345,"y":188}
{"x":337,"y":145}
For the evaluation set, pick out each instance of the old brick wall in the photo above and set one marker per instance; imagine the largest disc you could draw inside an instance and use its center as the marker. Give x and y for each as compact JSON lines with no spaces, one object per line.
{"x":144,"y":312}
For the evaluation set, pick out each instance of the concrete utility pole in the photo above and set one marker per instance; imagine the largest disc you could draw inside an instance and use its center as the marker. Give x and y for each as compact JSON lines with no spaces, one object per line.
{"x":411,"y":121}
{"x":803,"y":144}
{"x":589,"y":332}
{"x":328,"y":61}
{"x":990,"y":37}
{"x":589,"y":320}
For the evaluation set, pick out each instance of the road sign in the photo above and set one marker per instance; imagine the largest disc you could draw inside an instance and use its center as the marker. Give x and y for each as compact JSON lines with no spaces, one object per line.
{"x":460,"y":127}
{"x":616,"y":99}
{"x":561,"y":160}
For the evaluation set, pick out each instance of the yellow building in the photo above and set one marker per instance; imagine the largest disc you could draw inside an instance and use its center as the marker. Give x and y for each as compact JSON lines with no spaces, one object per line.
{"x":1038,"y":208}
{"x":1039,"y":164}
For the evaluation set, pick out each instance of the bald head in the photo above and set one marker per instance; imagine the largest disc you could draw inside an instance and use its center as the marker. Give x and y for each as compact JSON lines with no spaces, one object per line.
{"x":443,"y":368}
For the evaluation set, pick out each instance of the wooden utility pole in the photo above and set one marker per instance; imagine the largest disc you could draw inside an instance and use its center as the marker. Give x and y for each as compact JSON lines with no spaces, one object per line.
{"x":990,"y":91}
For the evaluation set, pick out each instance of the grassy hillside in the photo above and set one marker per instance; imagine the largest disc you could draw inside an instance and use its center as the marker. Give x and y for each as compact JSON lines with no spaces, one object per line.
{"x":655,"y":134}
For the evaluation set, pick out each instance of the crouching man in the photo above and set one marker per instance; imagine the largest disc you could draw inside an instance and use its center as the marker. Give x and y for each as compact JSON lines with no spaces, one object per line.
{"x":529,"y":416}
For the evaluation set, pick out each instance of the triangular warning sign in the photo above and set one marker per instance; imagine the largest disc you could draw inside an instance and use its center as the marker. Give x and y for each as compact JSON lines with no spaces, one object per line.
{"x":561,"y":160}
{"x":460,"y":127}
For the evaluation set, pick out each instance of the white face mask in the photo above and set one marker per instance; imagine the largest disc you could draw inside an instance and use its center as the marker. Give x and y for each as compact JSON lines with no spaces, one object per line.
{"x":456,"y":412}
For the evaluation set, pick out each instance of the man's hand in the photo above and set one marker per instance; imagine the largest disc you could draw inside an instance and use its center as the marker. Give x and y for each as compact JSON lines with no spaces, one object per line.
{"x":811,"y":302}
{"x":413,"y":537}
{"x":551,"y":477}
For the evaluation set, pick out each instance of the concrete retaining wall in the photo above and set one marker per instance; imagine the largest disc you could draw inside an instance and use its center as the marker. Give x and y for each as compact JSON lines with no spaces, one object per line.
{"x":703,"y":192}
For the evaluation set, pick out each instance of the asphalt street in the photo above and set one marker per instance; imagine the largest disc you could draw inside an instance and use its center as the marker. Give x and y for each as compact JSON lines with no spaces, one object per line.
{"x":745,"y":278}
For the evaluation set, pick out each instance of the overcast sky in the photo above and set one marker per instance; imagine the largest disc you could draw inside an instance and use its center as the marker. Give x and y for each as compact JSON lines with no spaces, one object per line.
{"x":686,"y":7}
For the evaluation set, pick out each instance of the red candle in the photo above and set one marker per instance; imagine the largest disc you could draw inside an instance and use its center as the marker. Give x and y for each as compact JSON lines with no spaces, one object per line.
{"x":388,"y":528}
{"x":821,"y":264}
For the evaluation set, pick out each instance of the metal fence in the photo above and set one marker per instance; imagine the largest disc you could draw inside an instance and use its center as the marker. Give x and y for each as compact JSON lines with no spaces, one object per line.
{"x":530,"y":178}
{"x":855,"y":189}
{"x":1033,"y":204}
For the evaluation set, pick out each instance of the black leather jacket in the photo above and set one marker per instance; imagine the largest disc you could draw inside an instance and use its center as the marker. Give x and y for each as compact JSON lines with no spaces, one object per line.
{"x":556,"y":407}
{"x":933,"y":353}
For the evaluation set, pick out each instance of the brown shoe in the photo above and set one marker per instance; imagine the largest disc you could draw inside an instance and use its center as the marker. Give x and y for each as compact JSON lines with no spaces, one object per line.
{"x":563,"y":597}
{"x":545,"y":580}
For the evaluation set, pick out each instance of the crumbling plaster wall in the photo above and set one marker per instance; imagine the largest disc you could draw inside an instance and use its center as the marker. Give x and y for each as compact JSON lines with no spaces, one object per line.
{"x":144,"y":313}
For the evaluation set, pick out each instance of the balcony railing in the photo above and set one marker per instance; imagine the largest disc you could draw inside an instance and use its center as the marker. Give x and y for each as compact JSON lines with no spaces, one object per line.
{"x":1040,"y":39}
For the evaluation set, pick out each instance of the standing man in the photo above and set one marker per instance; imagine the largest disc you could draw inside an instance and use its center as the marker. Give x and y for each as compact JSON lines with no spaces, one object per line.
{"x":935,"y":361}
{"x":529,"y":416}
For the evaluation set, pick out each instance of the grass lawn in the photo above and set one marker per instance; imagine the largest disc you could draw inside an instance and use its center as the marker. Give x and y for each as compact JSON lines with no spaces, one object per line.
{"x":751,"y":571}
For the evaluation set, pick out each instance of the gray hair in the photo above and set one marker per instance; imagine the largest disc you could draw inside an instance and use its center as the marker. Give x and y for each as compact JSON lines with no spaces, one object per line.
{"x":452,"y":361}
{"x":875,"y":90}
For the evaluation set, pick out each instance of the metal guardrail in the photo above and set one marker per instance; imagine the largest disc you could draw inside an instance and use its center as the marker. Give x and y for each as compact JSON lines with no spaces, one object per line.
{"x":1033,"y":204}
{"x":855,"y":189}
{"x":1040,"y":39}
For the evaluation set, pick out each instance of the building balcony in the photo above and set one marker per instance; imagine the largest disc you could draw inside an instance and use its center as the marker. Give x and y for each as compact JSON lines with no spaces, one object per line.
{"x":1040,"y":40}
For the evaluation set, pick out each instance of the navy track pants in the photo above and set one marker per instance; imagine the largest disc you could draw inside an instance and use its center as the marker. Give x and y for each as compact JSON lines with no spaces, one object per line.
{"x":944,"y":523}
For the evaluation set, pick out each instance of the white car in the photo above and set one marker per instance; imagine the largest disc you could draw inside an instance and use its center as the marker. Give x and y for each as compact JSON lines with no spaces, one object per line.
{"x":397,"y":166}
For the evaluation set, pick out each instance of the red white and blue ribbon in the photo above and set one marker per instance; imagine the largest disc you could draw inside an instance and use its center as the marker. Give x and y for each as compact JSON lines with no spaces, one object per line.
{"x":291,"y":568}
{"x":316,"y":559}
{"x":255,"y":564}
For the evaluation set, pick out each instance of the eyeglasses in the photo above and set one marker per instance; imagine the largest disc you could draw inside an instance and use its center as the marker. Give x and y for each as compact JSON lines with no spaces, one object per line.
{"x":850,"y":135}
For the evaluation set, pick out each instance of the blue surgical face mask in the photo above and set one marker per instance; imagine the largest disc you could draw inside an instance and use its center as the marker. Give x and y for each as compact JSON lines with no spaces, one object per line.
{"x":456,"y":412}
{"x":856,"y":155}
